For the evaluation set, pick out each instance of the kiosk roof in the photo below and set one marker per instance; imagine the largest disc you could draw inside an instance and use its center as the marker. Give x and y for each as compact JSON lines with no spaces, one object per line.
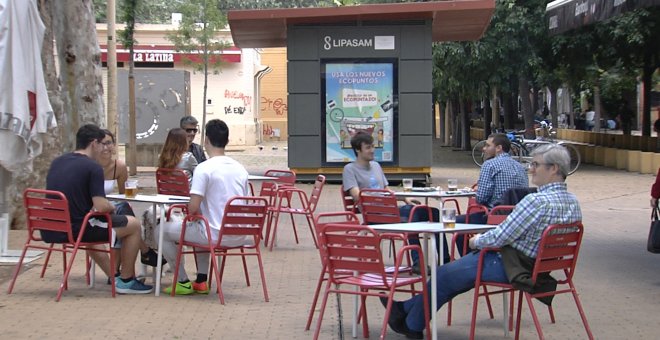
{"x":457,"y":20}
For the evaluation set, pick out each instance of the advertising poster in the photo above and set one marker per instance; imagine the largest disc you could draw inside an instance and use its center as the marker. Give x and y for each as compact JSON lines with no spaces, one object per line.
{"x":359,"y":97}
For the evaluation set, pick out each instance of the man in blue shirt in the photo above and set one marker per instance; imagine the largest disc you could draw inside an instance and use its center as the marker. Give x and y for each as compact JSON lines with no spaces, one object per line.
{"x":522,"y":230}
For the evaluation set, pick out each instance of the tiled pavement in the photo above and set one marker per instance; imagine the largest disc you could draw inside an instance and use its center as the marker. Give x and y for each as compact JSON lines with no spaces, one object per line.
{"x":619,"y":282}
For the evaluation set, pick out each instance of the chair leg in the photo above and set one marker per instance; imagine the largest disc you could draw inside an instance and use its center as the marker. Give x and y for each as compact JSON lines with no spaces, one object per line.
{"x":315,"y":298}
{"x":43,"y":269}
{"x":179,"y":253}
{"x":490,"y":309}
{"x":312,"y":227}
{"x":363,"y":314}
{"x":322,"y":311}
{"x":552,"y":314}
{"x":581,"y":310}
{"x":17,"y":269}
{"x":65,"y":279}
{"x":537,"y":323}
{"x":245,"y":270}
{"x":449,"y":313}
{"x":274,"y":232}
{"x":263,"y":277}
{"x":269,"y":223}
{"x":475,"y":302}
{"x":518,"y":315}
{"x":512,"y":296}
{"x":214,"y":269}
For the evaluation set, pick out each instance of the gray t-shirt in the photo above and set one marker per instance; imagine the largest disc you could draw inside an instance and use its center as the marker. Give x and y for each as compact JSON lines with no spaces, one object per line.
{"x":371,"y":177}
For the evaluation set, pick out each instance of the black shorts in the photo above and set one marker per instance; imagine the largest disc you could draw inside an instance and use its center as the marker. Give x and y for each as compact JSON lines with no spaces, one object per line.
{"x":92,"y":233}
{"x":99,"y":234}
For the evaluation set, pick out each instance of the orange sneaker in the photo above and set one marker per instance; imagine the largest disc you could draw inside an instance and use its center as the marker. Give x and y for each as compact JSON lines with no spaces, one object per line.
{"x":201,"y":287}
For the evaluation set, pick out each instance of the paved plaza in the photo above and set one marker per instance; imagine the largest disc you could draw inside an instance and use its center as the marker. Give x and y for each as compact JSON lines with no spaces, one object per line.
{"x":618,"y":280}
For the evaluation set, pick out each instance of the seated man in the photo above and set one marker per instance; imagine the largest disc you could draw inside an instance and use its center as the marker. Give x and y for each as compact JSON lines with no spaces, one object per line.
{"x":522,"y":230}
{"x":365,"y":173}
{"x":499,"y":173}
{"x":214,"y":182}
{"x":80,"y":178}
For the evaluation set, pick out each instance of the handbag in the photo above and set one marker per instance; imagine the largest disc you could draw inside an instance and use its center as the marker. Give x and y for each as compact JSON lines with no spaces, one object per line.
{"x":653,"y":243}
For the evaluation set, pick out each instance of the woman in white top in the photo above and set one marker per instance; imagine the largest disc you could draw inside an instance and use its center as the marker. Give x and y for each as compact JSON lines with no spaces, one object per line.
{"x":115,"y":171}
{"x":115,"y":174}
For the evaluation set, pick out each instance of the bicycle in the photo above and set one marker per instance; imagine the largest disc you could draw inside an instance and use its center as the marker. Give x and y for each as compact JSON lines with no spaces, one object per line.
{"x":521,"y":147}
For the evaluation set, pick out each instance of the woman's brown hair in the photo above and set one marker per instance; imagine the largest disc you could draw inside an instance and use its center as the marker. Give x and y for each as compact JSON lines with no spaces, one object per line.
{"x":175,"y":145}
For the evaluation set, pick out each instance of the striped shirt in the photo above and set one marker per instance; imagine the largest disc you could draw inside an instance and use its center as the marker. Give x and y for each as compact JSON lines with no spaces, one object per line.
{"x":498,"y":175}
{"x":523,"y":228}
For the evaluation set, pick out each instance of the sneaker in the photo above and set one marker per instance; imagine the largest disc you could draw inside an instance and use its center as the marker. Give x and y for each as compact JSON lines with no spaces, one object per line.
{"x":150,"y":258}
{"x":200,"y":287}
{"x":131,"y":287}
{"x":181,"y":289}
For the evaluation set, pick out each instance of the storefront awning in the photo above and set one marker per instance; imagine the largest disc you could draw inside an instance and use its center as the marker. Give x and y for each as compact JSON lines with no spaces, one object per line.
{"x":456,"y":20}
{"x":163,"y":54}
{"x":565,"y":15}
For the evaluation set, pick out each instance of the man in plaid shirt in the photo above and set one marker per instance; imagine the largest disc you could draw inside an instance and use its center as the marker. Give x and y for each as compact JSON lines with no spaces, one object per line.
{"x":522,"y":230}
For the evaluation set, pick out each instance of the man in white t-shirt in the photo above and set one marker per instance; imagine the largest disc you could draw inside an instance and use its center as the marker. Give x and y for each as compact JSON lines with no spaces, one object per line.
{"x":214,"y":182}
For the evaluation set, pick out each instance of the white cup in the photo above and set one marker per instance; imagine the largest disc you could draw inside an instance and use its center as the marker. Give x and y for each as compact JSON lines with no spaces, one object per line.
{"x":407,"y":184}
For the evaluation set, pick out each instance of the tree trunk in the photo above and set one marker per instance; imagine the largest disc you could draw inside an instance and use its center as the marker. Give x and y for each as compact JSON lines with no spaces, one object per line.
{"x":496,"y":108}
{"x":510,"y":111}
{"x":52,"y":143}
{"x":447,"y":123}
{"x":465,"y":126}
{"x":647,"y":81}
{"x":488,"y":114}
{"x":206,"y":83}
{"x":79,"y":65}
{"x":112,"y":68}
{"x":528,"y":114}
{"x":553,"y":106}
{"x":597,"y":108}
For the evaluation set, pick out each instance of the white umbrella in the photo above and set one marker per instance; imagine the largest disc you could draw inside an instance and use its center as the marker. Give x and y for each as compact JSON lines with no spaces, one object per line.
{"x":25,"y":112}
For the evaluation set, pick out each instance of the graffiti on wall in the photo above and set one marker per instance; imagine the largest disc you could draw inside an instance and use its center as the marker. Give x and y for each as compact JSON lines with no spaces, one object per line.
{"x":269,"y":131}
{"x":234,"y":94}
{"x":276,"y":105}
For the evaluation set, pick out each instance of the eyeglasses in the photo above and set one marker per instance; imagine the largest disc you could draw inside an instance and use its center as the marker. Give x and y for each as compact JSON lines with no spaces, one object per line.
{"x":191,"y":130}
{"x":536,"y":164}
{"x":107,"y":144}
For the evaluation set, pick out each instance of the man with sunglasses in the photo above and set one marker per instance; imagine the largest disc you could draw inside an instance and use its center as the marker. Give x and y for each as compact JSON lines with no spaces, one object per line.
{"x":190,"y":124}
{"x":520,"y":233}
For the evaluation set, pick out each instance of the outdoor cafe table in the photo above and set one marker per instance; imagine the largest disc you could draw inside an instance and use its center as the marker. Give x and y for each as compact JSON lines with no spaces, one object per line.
{"x":160,"y":200}
{"x":427,"y":229}
{"x":439,"y":194}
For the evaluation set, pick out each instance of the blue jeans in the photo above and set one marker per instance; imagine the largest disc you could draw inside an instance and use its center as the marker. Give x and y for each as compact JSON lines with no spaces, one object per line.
{"x":420,"y":216}
{"x":454,"y":278}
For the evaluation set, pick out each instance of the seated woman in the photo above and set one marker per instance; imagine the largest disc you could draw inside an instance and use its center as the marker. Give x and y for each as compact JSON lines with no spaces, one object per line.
{"x":175,"y":153}
{"x":115,"y":175}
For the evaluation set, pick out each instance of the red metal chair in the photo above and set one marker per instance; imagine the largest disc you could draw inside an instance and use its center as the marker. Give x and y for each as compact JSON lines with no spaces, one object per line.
{"x":323,"y":219}
{"x":243,"y":216}
{"x":172,"y":182}
{"x":48,"y":210}
{"x":307,"y":207}
{"x":558,"y":251}
{"x":347,"y":201}
{"x":357,"y":249}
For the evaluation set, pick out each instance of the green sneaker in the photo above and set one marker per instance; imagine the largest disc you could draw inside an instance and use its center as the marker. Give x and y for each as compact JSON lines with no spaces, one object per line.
{"x":181,"y":289}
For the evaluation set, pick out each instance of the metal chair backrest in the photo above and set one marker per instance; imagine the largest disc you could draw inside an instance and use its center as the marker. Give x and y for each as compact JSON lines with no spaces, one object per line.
{"x":350,"y":247}
{"x":499,"y":213}
{"x":316,"y":192}
{"x":47,"y":210}
{"x":172,"y":182}
{"x":379,"y":206}
{"x":244,"y":215}
{"x":340,"y":217}
{"x":283,"y":176}
{"x":347,"y":200}
{"x":558,"y":250}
